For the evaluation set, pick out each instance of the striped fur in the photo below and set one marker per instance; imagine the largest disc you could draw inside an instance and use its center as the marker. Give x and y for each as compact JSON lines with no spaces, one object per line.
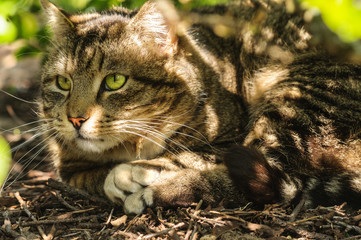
{"x":240,"y":109}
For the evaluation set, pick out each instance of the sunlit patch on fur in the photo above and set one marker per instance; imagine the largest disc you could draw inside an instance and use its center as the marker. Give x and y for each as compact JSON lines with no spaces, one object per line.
{"x":333,"y":186}
{"x":310,"y":185}
{"x":144,"y":176}
{"x":287,"y":112}
{"x":263,"y":80}
{"x":212,"y":121}
{"x":262,"y":129}
{"x":288,"y":190}
{"x":356,"y":183}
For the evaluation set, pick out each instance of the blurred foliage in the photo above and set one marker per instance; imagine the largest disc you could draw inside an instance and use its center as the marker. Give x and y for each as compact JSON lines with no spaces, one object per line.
{"x":5,"y":159}
{"x":341,"y":16}
{"x":22,"y":19}
{"x":18,"y":19}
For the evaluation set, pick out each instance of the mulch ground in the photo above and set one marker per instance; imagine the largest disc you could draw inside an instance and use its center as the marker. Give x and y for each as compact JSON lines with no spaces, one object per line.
{"x":39,"y":207}
{"x":33,"y":205}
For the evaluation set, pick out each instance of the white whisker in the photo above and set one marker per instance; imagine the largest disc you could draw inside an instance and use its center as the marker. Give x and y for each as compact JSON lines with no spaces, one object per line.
{"x":24,"y":166}
{"x":17,"y":98}
{"x":149,"y":139}
{"x":205,"y":140}
{"x":23,"y":125}
{"x":29,"y":161}
{"x":31,"y":139}
{"x":160,"y":135}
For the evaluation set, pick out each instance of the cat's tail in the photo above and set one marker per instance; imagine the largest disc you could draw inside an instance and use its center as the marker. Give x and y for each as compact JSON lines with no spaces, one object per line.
{"x":265,"y":182}
{"x":334,"y":189}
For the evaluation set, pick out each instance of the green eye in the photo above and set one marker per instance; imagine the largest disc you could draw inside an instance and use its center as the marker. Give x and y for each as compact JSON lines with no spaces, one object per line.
{"x":63,"y":83}
{"x":114,"y":82}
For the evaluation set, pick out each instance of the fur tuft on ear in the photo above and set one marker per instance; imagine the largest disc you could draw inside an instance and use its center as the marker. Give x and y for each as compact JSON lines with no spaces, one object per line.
{"x":59,"y":19}
{"x":154,"y":27}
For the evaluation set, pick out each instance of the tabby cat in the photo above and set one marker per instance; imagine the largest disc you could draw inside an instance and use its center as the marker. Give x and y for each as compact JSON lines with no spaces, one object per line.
{"x":149,"y":109}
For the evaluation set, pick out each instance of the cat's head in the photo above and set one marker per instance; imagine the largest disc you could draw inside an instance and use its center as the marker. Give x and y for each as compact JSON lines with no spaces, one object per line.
{"x":114,"y":78}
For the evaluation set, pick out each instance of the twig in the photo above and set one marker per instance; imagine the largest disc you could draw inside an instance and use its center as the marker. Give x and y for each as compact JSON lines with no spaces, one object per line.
{"x":357,"y":237}
{"x":108,"y":220}
{"x":356,"y":218}
{"x":306,"y":219}
{"x":313,"y":235}
{"x":8,"y":228}
{"x":297,"y":210}
{"x":189,"y":231}
{"x":126,"y":234}
{"x":152,"y":235}
{"x":7,"y":225}
{"x":209,"y":220}
{"x":62,"y":201}
{"x":191,"y":222}
{"x":76,"y":192}
{"x":348,"y":227}
{"x":52,"y":232}
{"x":131,"y":222}
{"x":25,"y":208}
{"x":91,"y":225}
{"x":71,"y":235}
{"x":70,"y":220}
{"x":232,"y":218}
{"x":194,"y":234}
{"x":173,"y":235}
{"x":110,"y":216}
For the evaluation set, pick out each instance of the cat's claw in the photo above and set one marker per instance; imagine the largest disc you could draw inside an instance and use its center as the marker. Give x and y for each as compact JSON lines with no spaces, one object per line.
{"x":129,"y":183}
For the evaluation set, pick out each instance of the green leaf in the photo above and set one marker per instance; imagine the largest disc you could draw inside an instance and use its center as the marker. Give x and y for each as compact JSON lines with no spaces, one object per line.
{"x":341,"y":16}
{"x":7,"y":8}
{"x":29,"y":25}
{"x":5,"y":159}
{"x":8,"y":31}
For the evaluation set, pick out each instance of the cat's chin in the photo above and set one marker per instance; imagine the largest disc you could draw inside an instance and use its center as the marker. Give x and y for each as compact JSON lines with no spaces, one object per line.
{"x":93,"y":145}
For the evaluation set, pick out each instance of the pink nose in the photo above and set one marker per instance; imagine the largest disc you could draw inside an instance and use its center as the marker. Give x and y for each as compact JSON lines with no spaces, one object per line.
{"x":77,"y":122}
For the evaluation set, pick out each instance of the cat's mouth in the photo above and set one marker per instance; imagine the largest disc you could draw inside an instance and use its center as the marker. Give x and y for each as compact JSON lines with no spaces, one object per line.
{"x":92,"y":144}
{"x":81,"y":137}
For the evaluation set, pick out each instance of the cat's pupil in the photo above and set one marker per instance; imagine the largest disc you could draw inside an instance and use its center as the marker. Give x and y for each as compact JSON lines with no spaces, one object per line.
{"x":114,"y":82}
{"x":63,"y":83}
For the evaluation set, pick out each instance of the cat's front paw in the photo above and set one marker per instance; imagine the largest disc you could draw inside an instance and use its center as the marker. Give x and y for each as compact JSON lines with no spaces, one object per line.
{"x":128,"y":183}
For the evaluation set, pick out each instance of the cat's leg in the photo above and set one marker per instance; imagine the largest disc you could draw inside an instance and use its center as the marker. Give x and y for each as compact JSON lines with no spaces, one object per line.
{"x":262,"y":180}
{"x":142,"y":184}
{"x":86,"y":175}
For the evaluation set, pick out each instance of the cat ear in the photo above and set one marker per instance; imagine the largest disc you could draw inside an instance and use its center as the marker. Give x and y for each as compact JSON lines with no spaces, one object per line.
{"x":153,"y":26}
{"x":59,"y":19}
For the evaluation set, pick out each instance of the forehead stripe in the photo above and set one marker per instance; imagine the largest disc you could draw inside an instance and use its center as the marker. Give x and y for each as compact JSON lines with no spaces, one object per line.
{"x":91,"y":58}
{"x":101,"y":61}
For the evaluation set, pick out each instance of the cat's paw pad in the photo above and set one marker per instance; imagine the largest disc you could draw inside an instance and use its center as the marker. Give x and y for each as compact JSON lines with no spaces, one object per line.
{"x":127,"y":182}
{"x":137,"y":202}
